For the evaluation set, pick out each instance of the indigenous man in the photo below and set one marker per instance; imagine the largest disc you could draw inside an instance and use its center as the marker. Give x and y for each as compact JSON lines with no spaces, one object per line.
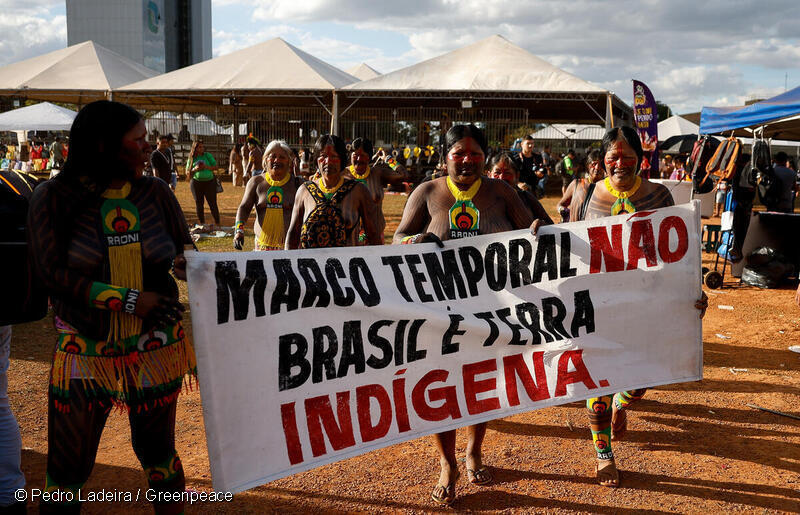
{"x":462,"y":204}
{"x":373,"y":177}
{"x":272,"y":193}
{"x":329,"y":209}
{"x":254,"y":157}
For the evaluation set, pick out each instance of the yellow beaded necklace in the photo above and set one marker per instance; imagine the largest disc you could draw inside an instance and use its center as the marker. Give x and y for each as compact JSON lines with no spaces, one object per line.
{"x":330,"y":191}
{"x":273,"y":182}
{"x":623,"y":203}
{"x":623,"y":194}
{"x":355,"y":174}
{"x":463,"y":195}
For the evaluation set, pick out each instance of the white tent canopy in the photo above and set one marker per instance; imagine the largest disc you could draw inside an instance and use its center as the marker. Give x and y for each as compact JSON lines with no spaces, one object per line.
{"x":363,"y":71}
{"x":271,"y":65}
{"x":570,"y":131}
{"x":38,"y":117}
{"x":163,"y":122}
{"x":492,"y":64}
{"x":86,"y":68}
{"x":676,"y":126}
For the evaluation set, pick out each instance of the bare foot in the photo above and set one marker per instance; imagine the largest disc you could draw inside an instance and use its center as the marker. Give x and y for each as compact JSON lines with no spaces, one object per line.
{"x":619,"y":423}
{"x":607,"y":473}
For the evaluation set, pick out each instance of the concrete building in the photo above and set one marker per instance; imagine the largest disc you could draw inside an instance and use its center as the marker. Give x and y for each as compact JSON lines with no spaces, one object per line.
{"x":163,"y":35}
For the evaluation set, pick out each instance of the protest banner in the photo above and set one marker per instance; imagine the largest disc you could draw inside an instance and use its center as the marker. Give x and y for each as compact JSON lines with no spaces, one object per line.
{"x":312,"y":356}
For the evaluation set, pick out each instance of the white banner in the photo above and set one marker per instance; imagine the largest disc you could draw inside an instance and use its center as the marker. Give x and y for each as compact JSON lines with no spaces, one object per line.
{"x":313,"y":356}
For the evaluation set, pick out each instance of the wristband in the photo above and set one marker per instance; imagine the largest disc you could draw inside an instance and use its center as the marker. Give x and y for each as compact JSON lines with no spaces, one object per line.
{"x":130,"y":299}
{"x":410,"y":239}
{"x":239,"y":226}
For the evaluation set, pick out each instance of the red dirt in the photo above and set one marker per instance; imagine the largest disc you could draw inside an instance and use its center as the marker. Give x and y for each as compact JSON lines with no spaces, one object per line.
{"x":692,"y":447}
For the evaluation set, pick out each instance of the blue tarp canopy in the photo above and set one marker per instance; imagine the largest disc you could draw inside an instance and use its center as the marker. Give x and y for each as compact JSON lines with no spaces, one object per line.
{"x":715,"y":120}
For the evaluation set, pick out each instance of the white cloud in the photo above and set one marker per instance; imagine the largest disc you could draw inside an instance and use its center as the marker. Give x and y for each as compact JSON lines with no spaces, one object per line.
{"x":28,"y":35}
{"x":690,"y":52}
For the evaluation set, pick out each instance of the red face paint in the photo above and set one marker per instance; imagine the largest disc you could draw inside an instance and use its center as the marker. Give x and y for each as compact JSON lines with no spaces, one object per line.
{"x":504,"y":173}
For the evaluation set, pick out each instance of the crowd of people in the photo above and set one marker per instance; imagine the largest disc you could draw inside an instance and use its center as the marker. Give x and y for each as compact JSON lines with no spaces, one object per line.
{"x":34,"y":155}
{"x":109,"y":241}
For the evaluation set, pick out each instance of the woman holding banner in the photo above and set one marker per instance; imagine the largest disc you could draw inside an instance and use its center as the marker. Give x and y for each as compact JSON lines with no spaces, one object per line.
{"x":459,"y":205}
{"x":622,"y":191}
{"x":105,"y":240}
{"x":329,"y":209}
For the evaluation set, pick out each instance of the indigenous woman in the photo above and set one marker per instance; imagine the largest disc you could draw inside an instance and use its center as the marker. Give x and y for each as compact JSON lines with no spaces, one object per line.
{"x":200,"y":169}
{"x":460,"y":205}
{"x":622,"y":191}
{"x":329,"y":209}
{"x":105,"y":242}
{"x":503,"y":166}
{"x":373,"y":177}
{"x":272,"y":193}
{"x":596,"y":173}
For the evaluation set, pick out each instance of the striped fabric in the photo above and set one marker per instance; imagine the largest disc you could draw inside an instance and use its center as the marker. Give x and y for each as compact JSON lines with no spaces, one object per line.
{"x":66,"y":241}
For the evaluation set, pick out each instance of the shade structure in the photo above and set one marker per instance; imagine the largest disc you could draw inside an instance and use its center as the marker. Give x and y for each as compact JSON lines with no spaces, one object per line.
{"x":77,"y":74}
{"x":274,"y":70}
{"x":493,"y":73}
{"x":568,"y":131}
{"x":676,"y":126}
{"x":363,"y":71}
{"x":43,"y":116}
{"x":768,"y":113}
{"x":682,"y":144}
{"x":163,"y":122}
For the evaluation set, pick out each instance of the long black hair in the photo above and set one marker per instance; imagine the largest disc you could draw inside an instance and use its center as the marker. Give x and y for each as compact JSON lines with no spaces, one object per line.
{"x":630,"y":136}
{"x":95,"y":141}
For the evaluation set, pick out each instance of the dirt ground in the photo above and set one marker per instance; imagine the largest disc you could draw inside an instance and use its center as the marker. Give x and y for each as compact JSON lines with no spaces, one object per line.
{"x":692,"y":447}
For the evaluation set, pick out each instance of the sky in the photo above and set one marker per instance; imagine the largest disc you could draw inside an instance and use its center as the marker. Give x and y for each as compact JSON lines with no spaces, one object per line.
{"x":691,"y":53}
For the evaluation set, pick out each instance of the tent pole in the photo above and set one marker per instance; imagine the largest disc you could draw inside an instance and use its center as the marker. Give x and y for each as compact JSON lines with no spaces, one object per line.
{"x":235,"y":124}
{"x":335,"y":114}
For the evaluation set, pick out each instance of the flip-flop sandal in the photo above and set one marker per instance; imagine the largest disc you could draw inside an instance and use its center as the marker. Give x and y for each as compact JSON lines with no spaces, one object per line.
{"x":448,"y":493}
{"x":480,"y":477}
{"x":606,"y":478}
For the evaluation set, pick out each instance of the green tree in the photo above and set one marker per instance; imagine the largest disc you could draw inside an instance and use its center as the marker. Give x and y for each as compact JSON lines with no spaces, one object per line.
{"x":663,"y":111}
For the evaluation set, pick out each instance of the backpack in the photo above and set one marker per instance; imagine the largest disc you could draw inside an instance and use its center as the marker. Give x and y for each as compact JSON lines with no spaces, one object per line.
{"x":325,"y":225}
{"x":23,"y":299}
{"x":697,"y":162}
{"x":723,"y":163}
{"x":768,"y":187}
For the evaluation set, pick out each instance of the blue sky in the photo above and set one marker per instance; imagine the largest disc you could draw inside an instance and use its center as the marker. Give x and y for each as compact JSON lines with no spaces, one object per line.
{"x":714,"y":52}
